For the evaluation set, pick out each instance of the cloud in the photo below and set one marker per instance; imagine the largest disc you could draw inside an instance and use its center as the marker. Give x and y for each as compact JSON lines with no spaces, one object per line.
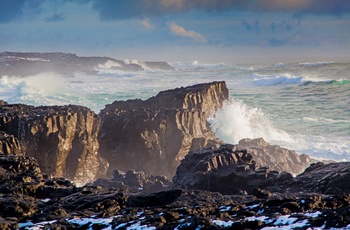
{"x":114,"y":10}
{"x":117,"y":9}
{"x":253,"y":26}
{"x":55,"y":18}
{"x":182,"y":32}
{"x":145,"y":23}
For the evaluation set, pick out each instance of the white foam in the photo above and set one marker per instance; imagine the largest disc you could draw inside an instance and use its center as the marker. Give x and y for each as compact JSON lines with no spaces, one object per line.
{"x":236,"y":121}
{"x":277,"y":80}
{"x":315,"y":64}
{"x":109,"y":64}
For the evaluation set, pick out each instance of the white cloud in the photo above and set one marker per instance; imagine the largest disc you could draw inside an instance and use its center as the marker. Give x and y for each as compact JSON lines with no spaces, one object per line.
{"x":182,"y":32}
{"x":145,"y":23}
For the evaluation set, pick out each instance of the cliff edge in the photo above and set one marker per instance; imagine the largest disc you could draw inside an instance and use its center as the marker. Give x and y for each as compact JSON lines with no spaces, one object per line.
{"x":62,"y":138}
{"x":154,"y":135}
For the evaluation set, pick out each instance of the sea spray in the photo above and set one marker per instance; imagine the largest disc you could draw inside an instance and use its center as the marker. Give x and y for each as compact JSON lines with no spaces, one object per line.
{"x":235,"y":121}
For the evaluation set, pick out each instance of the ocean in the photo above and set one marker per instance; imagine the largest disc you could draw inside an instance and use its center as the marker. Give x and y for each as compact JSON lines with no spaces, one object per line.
{"x":301,"y":106}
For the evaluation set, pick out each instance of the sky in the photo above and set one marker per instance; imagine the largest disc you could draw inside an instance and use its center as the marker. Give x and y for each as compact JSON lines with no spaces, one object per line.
{"x":209,"y":31}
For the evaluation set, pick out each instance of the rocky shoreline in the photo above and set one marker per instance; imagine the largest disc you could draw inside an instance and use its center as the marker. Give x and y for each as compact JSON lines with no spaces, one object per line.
{"x":118,"y":159}
{"x":31,"y":199}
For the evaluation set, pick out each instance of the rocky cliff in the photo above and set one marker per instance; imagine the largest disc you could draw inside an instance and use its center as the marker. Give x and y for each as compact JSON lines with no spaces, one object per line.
{"x":25,"y":64}
{"x":154,"y":135}
{"x":62,"y":138}
{"x":229,"y":170}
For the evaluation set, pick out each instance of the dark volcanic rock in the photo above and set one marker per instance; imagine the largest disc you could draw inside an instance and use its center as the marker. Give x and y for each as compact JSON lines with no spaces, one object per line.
{"x":134,"y":182}
{"x":62,"y":138}
{"x":323,"y":178}
{"x":276,"y":157}
{"x":154,"y":135}
{"x":93,"y":207}
{"x":226,"y":170}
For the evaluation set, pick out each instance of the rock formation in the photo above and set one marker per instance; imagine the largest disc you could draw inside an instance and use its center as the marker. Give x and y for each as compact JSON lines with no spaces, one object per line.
{"x":154,"y":135}
{"x":229,"y":170}
{"x":30,"y":199}
{"x":225,"y":170}
{"x":276,"y":157}
{"x":322,"y":178}
{"x":62,"y":138}
{"x":133,"y":182}
{"x":9,"y":144}
{"x":25,"y":64}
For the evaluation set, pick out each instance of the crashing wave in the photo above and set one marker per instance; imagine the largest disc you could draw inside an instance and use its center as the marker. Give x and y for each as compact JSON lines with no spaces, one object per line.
{"x":315,"y":64}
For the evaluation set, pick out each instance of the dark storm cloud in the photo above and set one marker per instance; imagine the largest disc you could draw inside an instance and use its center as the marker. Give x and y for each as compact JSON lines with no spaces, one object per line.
{"x":111,"y":9}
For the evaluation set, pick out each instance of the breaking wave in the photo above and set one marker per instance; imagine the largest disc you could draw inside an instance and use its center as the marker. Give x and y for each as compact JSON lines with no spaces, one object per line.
{"x":235,"y":121}
{"x":286,"y":79}
{"x":315,"y":64}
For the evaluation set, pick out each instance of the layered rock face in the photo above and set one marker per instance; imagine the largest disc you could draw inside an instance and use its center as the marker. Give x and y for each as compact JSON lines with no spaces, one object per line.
{"x":9,"y":144}
{"x":225,"y":170}
{"x":62,"y":138}
{"x":276,"y":157}
{"x":154,"y":135}
{"x":229,"y":170}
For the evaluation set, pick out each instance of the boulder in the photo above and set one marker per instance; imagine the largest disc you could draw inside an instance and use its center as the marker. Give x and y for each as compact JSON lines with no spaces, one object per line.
{"x":225,"y":170}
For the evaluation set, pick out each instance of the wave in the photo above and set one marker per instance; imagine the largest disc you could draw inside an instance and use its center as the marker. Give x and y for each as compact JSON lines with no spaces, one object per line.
{"x":235,"y":121}
{"x":324,"y":120}
{"x":315,"y":64}
{"x":44,"y":88}
{"x":263,"y":80}
{"x":196,"y":65}
{"x":286,"y":79}
{"x":340,"y":82}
